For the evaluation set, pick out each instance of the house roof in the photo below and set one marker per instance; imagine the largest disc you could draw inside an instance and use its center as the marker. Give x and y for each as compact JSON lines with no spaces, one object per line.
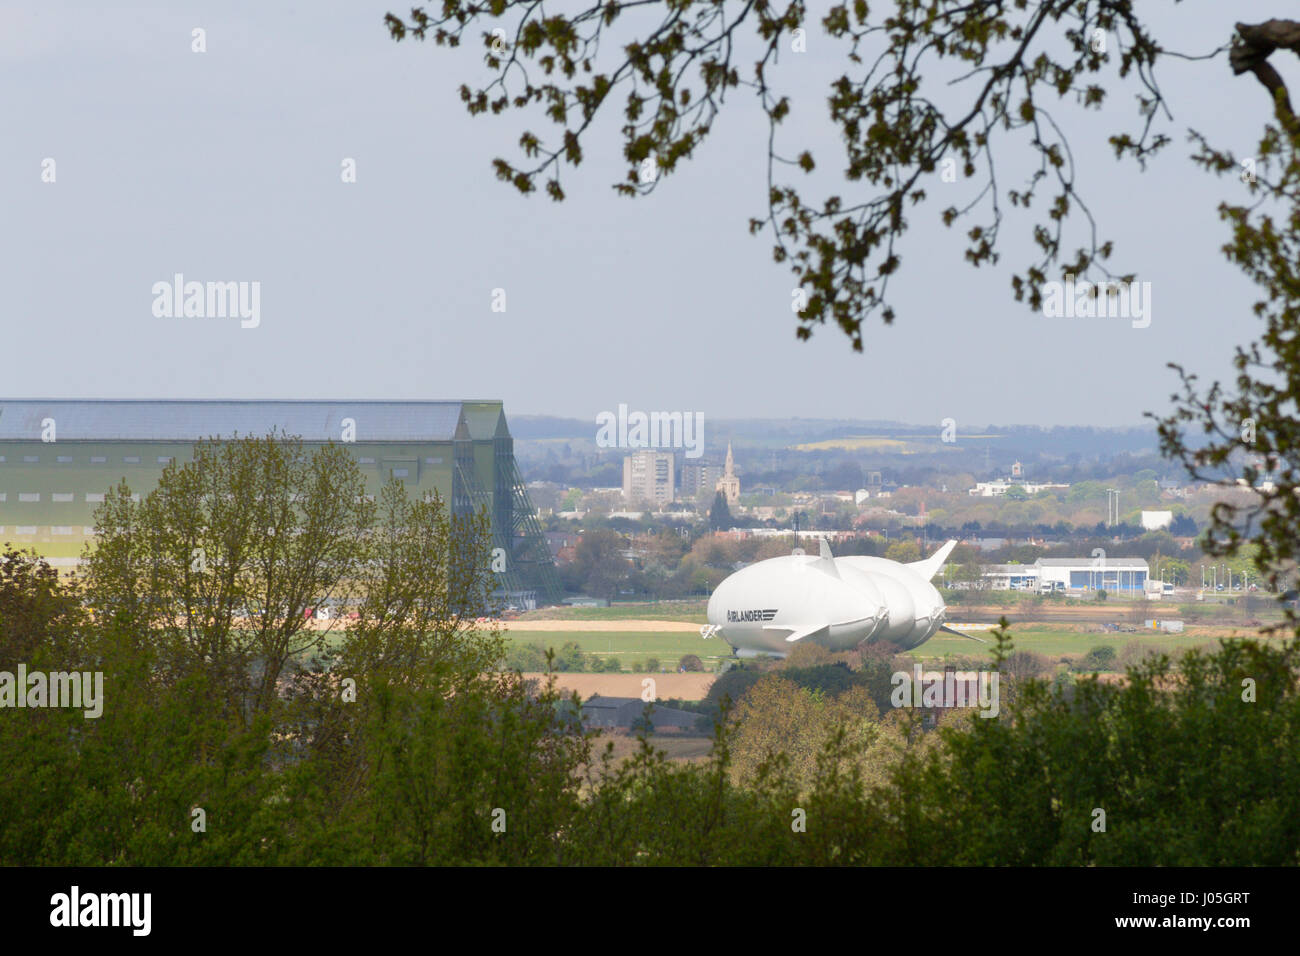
{"x":1093,"y":563}
{"x":597,"y":700}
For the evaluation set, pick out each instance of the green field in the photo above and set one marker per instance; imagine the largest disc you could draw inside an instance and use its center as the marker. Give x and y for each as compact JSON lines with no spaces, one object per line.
{"x":1055,"y":643}
{"x":691,"y":611}
{"x":629,"y":646}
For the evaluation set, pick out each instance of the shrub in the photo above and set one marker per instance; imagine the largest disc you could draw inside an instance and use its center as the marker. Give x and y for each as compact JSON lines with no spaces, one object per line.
{"x":526,"y":657}
{"x":1100,"y":658}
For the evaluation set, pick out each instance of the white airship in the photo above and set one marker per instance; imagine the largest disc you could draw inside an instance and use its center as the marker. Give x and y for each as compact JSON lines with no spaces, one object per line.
{"x":839,"y":603}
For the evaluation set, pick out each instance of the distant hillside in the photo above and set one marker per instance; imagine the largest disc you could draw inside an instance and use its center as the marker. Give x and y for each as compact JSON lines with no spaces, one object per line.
{"x":864,"y":434}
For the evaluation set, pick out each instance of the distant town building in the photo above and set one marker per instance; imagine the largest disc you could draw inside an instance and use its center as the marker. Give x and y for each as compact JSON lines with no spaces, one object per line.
{"x":1172,"y":488}
{"x":699,"y":478}
{"x":563,"y":545}
{"x":649,"y":476}
{"x":729,"y":484}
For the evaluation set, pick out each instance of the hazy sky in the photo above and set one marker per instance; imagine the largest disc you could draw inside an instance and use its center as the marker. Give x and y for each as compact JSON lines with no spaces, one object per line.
{"x":226,"y":165}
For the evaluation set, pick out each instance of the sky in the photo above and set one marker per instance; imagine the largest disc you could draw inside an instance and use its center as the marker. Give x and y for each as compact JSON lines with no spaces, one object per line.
{"x":226,"y":165}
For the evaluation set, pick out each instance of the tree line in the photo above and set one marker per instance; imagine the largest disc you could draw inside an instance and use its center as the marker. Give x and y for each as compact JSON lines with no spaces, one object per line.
{"x":237,"y":729}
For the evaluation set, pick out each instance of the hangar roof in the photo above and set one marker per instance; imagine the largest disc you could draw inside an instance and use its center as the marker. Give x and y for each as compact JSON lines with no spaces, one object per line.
{"x":195,"y":420}
{"x":1092,"y":564}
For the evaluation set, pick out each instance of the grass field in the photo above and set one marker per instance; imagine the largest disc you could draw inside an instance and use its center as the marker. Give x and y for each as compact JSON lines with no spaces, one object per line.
{"x":692,"y":611}
{"x":629,"y":646}
{"x":1050,"y":641}
{"x":1056,"y":643}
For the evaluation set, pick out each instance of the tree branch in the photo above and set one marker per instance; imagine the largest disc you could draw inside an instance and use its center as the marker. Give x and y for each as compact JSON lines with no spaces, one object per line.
{"x":1255,"y":42}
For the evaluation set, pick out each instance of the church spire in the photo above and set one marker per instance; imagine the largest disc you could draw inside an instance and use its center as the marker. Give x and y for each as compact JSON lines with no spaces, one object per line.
{"x":729,"y":484}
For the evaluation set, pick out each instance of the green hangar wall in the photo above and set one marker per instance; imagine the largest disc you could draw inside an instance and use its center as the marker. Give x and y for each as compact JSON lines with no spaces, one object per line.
{"x":58,"y":458}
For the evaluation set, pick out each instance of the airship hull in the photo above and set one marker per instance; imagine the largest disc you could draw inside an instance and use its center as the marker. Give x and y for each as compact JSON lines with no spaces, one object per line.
{"x":839,"y":603}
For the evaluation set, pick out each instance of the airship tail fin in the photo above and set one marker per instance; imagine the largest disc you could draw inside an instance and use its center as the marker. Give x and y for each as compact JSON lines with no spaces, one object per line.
{"x":950,"y":630}
{"x":826,"y":561}
{"x":932,"y":565}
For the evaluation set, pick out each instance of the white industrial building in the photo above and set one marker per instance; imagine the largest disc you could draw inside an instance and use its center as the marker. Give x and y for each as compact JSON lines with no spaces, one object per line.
{"x":1156,"y":520}
{"x":1093,"y":574}
{"x":1000,"y":486}
{"x":1011,"y":577}
{"x":1124,"y":575}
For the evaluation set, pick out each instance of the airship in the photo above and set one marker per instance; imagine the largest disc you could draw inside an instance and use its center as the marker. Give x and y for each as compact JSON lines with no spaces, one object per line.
{"x":839,"y":603}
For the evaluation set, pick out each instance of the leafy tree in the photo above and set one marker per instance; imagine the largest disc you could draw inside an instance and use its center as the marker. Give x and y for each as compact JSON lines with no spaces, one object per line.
{"x":1155,"y":752}
{"x":422,"y":584}
{"x":599,"y":563}
{"x":971,"y":574}
{"x":1247,"y":433}
{"x":905,"y":122}
{"x":1176,"y":570}
{"x":903,"y":551}
{"x":780,"y":725}
{"x":526,"y":657}
{"x":220,"y":566}
{"x":444,"y":769}
{"x":570,"y":657}
{"x":37,"y":609}
{"x":720,"y":514}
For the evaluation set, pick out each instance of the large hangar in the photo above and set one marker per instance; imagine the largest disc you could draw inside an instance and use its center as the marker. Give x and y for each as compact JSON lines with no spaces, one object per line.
{"x":58,"y":457}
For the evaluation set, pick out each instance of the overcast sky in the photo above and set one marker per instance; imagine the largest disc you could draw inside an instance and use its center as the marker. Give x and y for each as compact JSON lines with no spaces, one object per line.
{"x":226,"y":165}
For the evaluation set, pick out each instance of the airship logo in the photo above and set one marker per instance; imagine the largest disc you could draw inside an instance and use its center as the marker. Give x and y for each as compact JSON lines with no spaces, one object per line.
{"x":739,"y":617}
